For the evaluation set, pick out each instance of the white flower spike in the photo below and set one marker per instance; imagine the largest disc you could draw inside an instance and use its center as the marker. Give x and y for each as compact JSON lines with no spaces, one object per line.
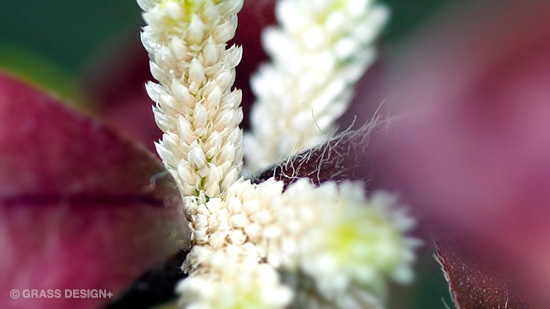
{"x":195,"y":107}
{"x":318,"y":52}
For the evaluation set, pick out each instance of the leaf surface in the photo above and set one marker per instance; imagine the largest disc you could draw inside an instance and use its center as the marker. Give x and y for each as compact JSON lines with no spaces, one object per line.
{"x":80,"y":207}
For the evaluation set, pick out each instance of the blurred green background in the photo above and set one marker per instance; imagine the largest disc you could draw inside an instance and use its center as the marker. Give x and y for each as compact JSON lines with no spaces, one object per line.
{"x":55,"y":42}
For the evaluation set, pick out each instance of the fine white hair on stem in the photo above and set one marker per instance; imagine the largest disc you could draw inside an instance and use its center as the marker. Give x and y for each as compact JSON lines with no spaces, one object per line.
{"x":195,"y":106}
{"x":318,"y":52}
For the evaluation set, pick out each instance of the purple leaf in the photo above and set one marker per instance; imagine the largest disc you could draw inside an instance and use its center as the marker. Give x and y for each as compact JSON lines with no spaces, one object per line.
{"x":81,"y":208}
{"x":475,"y":283}
{"x":475,"y":156}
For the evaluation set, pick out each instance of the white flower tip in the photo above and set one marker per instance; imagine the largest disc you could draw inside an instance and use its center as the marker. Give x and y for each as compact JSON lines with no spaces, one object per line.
{"x":146,"y":5}
{"x":231,"y":284}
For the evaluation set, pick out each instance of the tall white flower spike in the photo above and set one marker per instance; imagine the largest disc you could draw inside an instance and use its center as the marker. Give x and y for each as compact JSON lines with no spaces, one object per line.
{"x":201,"y":145}
{"x":318,"y":52}
{"x":195,"y":107}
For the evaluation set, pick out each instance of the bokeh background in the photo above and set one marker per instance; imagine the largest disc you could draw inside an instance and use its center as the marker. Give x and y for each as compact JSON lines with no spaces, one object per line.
{"x":61,"y":45}
{"x":58,"y":42}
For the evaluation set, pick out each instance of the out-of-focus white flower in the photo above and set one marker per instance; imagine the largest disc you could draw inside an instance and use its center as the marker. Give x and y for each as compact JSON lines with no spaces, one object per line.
{"x":308,"y":296}
{"x":230,"y":284}
{"x":347,"y":243}
{"x":319,"y":51}
{"x":195,"y":107}
{"x":357,"y":243}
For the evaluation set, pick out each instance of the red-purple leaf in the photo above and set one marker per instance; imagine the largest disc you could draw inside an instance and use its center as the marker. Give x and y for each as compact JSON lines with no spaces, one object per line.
{"x":476,"y":156}
{"x":473,"y":282}
{"x":80,"y":208}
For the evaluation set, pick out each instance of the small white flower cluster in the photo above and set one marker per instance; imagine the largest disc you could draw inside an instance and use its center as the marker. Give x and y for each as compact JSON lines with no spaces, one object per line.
{"x":348,"y":239}
{"x":335,"y":247}
{"x":320,"y":50}
{"x":233,"y":284}
{"x":196,"y":109}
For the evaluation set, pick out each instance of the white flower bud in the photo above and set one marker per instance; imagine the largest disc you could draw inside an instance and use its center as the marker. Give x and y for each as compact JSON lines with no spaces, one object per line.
{"x":182,"y":93}
{"x":214,"y":97}
{"x":200,"y":116}
{"x":158,"y":73}
{"x":153,"y":91}
{"x":146,"y":4}
{"x":225,"y":31}
{"x":195,"y":32}
{"x":210,"y":53}
{"x":184,"y":130}
{"x":238,"y":221}
{"x":196,"y":72}
{"x":230,"y":178}
{"x":196,"y":157}
{"x":237,"y":237}
{"x":172,"y":9}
